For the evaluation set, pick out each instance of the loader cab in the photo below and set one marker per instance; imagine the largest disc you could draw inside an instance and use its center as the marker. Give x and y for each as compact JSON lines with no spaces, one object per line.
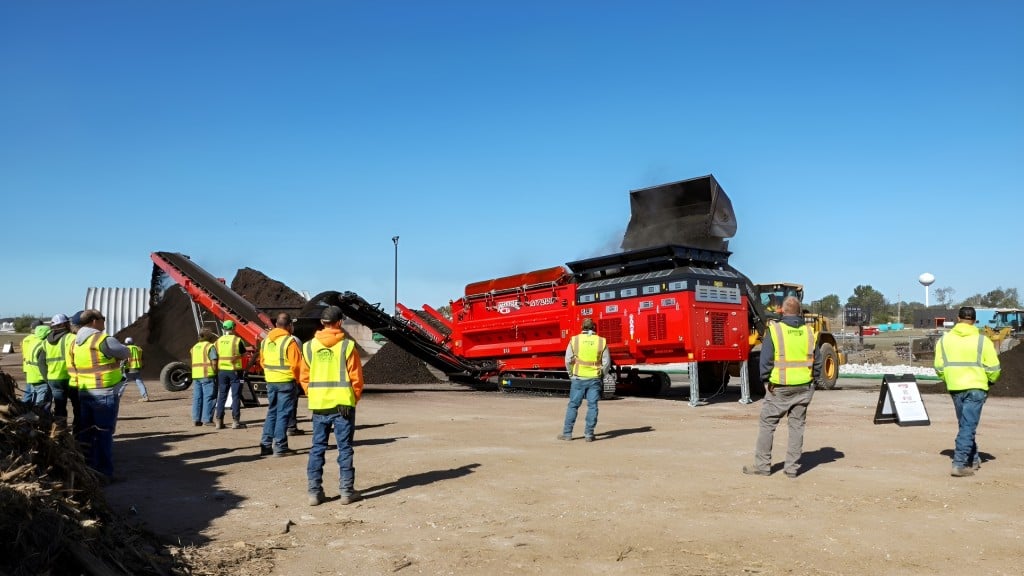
{"x":772,"y":295}
{"x":1012,"y":318}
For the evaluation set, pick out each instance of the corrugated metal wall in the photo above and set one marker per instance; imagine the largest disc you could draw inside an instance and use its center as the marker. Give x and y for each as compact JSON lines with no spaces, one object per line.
{"x":121,"y":306}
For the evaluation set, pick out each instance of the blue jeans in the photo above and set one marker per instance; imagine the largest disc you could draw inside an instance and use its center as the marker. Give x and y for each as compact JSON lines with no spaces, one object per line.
{"x":589,"y":388}
{"x":98,"y":415}
{"x":293,"y":417}
{"x":137,"y":377}
{"x":968,"y":404}
{"x":40,"y":395}
{"x":59,"y":391}
{"x":280,"y":400}
{"x":228,"y":380}
{"x":344,"y":429}
{"x":204,"y":400}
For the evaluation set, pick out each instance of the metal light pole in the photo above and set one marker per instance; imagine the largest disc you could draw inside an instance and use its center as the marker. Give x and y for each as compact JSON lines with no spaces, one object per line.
{"x":395,"y":240}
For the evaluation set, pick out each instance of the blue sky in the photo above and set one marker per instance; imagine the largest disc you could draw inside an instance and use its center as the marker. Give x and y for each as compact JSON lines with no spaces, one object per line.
{"x":860,"y":143}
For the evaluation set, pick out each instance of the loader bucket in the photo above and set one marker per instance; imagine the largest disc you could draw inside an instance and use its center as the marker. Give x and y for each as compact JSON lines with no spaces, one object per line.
{"x":693,"y":212}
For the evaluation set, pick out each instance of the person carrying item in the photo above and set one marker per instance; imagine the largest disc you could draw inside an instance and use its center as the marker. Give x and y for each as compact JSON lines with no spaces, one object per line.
{"x":967,"y":362}
{"x":332,"y":377}
{"x":96,"y":360}
{"x":229,"y":367}
{"x":204,"y":375}
{"x":133,"y":368}
{"x":587,"y":360}
{"x":790,"y":365}
{"x":56,"y":345}
{"x":282,"y":367}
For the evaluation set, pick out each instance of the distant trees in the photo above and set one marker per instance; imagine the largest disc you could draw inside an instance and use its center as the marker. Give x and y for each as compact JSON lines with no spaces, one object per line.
{"x":22,"y":323}
{"x":944,"y":295}
{"x":827,"y":306}
{"x":869,"y":300}
{"x":998,"y":298}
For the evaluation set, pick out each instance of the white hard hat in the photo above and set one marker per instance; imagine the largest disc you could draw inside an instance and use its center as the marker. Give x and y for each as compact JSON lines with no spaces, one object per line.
{"x":128,"y":340}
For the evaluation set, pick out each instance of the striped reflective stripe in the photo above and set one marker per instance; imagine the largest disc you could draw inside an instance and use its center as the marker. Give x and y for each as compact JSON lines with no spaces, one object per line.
{"x":343,"y":381}
{"x":782,"y":363}
{"x":282,"y":360}
{"x":976,"y":363}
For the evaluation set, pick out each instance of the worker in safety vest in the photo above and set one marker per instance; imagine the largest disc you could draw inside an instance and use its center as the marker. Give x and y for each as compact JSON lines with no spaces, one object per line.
{"x":229,"y":370}
{"x":73,"y":396}
{"x":967,"y":362}
{"x":587,"y":360}
{"x":790,"y":366}
{"x":57,"y":344}
{"x":332,"y":377}
{"x":204,"y":375}
{"x":27,"y":344}
{"x":281,"y":358}
{"x":133,"y":368}
{"x":96,"y":359}
{"x":33,"y":363}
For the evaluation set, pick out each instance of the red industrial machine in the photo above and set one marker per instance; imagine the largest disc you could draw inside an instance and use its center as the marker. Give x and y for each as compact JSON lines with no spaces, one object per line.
{"x":670,"y":297}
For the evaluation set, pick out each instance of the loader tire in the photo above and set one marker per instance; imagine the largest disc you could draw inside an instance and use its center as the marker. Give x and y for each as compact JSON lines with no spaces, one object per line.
{"x":176,"y":376}
{"x":829,"y":367}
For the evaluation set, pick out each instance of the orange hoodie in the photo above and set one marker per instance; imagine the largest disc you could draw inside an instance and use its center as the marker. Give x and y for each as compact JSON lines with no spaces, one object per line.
{"x":330,"y":337}
{"x":293,"y":354}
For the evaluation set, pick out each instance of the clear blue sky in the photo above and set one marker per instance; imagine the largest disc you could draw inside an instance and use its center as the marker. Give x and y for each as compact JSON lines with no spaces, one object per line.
{"x":860,"y":142}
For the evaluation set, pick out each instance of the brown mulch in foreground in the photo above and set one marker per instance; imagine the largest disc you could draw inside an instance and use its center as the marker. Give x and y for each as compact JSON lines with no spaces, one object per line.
{"x":55,"y":520}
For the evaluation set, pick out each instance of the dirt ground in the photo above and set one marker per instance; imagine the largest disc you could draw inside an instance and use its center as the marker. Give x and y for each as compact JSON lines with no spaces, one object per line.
{"x":459,"y":481}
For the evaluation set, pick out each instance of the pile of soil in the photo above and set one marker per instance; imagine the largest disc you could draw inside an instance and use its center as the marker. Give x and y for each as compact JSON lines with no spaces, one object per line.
{"x":1011,"y":381}
{"x":266,"y":294}
{"x":166,"y":333}
{"x":55,"y":518}
{"x":392,"y":365}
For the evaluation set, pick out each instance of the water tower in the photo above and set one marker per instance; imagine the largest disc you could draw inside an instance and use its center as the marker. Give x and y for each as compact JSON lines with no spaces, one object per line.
{"x":926,"y":280}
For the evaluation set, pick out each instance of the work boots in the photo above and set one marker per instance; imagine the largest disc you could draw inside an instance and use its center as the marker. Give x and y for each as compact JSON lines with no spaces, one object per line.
{"x":220,"y":423}
{"x":237,"y":425}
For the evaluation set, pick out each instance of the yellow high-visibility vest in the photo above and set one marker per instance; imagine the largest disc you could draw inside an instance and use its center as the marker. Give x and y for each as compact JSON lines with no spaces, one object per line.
{"x":329,"y":384}
{"x":29,"y":355}
{"x":202,"y":366}
{"x":94,"y":369}
{"x":587,"y":353}
{"x":134,"y":358}
{"x":227,"y":353}
{"x":794,"y":354}
{"x":966,"y":359}
{"x":56,"y":357}
{"x":274,"y":358}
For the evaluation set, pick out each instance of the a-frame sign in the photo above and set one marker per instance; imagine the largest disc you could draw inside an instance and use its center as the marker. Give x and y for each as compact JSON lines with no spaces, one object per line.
{"x":900,"y":401}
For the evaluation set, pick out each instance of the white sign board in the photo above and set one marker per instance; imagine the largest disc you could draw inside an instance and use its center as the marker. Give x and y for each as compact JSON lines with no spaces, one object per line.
{"x":900,"y":401}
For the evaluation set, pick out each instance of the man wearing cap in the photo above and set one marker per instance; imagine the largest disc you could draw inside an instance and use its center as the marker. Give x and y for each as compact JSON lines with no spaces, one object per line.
{"x":133,"y":368}
{"x":96,"y":361}
{"x":967,"y":362}
{"x":587,"y":360}
{"x":57,"y":344}
{"x":229,"y":367}
{"x":332,"y":377}
{"x":281,"y":359}
{"x":75,"y":322}
{"x":33,"y":362}
{"x":204,"y":375}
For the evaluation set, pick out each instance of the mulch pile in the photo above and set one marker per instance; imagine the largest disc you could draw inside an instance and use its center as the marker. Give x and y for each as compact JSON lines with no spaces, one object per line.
{"x":267,"y":294}
{"x":55,"y":519}
{"x":167,"y":332}
{"x":1011,"y":381}
{"x":392,"y":365}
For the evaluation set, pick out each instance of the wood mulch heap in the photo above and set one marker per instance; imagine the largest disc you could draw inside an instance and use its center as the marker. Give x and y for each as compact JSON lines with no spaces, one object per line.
{"x":392,"y":365}
{"x":1011,"y":381}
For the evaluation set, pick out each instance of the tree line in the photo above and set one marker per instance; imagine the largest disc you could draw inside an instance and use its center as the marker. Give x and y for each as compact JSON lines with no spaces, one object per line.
{"x":883,"y":310}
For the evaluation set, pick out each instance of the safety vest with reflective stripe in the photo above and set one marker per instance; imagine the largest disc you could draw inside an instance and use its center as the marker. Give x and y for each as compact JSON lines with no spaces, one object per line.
{"x":134,"y":358}
{"x":794,"y":354}
{"x":56,"y":357}
{"x":94,"y":369}
{"x":69,"y":354}
{"x":329,"y":384}
{"x":227,"y":353}
{"x":587,"y":355}
{"x":202,"y":366}
{"x":29,"y":355}
{"x":274,"y":357}
{"x":966,"y":361}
